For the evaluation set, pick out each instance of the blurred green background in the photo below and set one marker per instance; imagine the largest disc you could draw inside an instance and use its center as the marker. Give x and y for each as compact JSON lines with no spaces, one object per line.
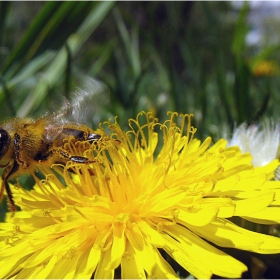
{"x":190,"y":57}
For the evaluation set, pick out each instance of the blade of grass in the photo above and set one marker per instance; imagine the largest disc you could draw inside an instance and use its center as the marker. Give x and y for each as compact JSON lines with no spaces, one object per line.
{"x":56,"y":18}
{"x":131,"y":43}
{"x":220,"y":68}
{"x":56,"y":69}
{"x":241,"y":30}
{"x":242,"y":72}
{"x":4,"y":9}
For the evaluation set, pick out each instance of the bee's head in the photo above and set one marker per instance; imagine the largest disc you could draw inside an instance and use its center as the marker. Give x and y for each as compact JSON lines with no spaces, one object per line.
{"x":5,"y":141}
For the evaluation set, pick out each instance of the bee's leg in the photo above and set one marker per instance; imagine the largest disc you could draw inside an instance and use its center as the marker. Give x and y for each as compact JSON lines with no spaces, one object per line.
{"x":10,"y":170}
{"x":64,"y":154}
{"x":78,"y":159}
{"x":17,"y":143}
{"x":2,"y":191}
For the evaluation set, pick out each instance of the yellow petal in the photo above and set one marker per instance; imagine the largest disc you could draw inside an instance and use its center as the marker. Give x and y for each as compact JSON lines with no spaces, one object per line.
{"x":130,"y":267}
{"x":10,"y":268}
{"x":199,"y":257}
{"x":254,"y":204}
{"x":87,"y":263}
{"x":226,"y":234}
{"x":224,"y":207}
{"x":198,"y":217}
{"x":267,"y":216}
{"x":152,"y":235}
{"x":118,"y":248}
{"x":103,"y":270}
{"x":135,"y":237}
{"x":189,"y":261}
{"x":153,"y":263}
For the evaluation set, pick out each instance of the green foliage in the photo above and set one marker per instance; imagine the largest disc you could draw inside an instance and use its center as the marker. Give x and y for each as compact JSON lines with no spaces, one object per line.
{"x":190,"y":57}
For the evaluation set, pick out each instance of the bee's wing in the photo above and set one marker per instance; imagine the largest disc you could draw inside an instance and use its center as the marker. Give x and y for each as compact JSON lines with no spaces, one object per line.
{"x":83,"y":107}
{"x":84,"y":103}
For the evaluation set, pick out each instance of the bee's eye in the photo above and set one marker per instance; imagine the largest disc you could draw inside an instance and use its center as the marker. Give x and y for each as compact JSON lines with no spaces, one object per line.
{"x":4,"y":142}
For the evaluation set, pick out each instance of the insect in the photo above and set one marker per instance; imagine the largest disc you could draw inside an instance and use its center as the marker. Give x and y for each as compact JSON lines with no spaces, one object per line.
{"x":24,"y":143}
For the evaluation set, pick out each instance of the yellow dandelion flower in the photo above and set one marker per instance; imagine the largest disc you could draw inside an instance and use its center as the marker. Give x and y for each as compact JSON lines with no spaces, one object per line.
{"x":152,"y":191}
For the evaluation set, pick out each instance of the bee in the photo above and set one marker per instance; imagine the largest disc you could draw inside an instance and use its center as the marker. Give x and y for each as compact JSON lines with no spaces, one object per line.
{"x":24,"y":143}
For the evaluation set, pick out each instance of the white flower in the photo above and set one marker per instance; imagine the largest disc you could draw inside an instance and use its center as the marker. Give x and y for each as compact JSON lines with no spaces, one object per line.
{"x":261,"y":141}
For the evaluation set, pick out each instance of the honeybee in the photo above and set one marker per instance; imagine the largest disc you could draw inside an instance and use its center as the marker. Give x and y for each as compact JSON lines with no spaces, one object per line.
{"x":24,"y":143}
